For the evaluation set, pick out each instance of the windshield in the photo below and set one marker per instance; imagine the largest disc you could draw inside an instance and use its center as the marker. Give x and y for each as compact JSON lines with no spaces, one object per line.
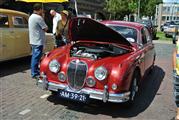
{"x":171,"y":23}
{"x":146,"y":22}
{"x":127,"y":32}
{"x":176,"y":22}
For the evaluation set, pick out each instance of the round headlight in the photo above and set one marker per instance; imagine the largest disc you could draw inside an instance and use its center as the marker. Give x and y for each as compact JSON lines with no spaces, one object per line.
{"x":90,"y":82}
{"x":100,"y":73}
{"x":54,"y":66}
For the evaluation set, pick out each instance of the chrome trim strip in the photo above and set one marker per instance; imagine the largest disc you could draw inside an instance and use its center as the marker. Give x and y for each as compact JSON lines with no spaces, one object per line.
{"x":93,"y":94}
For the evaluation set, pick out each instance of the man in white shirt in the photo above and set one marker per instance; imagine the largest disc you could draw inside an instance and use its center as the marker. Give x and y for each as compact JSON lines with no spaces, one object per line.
{"x":56,"y":18}
{"x":37,"y":29}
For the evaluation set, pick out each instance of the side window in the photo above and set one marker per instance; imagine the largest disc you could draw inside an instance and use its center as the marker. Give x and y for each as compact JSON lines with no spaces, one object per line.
{"x":25,"y":22}
{"x":144,"y":39}
{"x":148,"y":37}
{"x":19,"y":22}
{"x":4,"y":23}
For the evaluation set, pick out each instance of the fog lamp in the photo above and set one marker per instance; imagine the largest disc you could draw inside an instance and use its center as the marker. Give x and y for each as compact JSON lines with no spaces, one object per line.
{"x":114,"y":86}
{"x":90,"y":82}
{"x":61,"y":77}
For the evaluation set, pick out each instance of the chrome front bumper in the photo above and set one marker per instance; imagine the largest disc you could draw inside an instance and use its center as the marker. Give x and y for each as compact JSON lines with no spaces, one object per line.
{"x":93,"y":94}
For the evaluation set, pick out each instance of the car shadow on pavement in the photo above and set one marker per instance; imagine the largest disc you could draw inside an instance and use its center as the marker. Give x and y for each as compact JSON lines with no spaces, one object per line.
{"x":14,"y":66}
{"x":147,"y":92}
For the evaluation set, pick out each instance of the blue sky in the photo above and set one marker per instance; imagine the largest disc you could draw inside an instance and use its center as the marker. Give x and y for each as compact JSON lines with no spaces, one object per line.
{"x":171,"y":1}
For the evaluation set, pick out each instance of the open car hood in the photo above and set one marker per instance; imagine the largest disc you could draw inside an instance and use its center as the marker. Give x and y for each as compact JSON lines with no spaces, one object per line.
{"x":90,"y":30}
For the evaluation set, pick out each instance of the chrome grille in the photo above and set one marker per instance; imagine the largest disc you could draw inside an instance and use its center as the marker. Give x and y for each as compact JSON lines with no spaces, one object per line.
{"x":76,"y":74}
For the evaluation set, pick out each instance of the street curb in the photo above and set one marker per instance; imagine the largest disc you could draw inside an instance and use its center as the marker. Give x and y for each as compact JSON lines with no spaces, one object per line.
{"x":162,"y":41}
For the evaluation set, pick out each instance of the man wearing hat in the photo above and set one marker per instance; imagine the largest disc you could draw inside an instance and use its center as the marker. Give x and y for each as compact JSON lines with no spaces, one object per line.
{"x":62,"y":28}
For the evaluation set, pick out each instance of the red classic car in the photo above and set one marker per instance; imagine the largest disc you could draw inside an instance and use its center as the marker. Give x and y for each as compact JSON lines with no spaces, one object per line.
{"x":103,"y":61}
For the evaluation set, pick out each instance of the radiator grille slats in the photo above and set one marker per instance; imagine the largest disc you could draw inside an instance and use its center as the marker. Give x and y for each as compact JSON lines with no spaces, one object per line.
{"x":76,"y":74}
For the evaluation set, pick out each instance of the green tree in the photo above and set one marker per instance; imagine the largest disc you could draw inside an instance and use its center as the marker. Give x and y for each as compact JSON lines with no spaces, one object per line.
{"x":116,"y":8}
{"x":119,"y":8}
{"x":132,"y":5}
{"x":149,"y":7}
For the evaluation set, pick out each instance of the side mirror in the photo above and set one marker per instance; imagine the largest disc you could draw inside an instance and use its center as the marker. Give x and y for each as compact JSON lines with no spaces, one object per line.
{"x":140,"y":45}
{"x":131,"y":39}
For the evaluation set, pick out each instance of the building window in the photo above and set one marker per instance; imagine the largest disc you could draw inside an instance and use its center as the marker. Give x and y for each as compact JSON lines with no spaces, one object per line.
{"x":171,"y":17}
{"x":168,"y":9}
{"x":168,"y":17}
{"x":163,"y":18}
{"x":176,"y":10}
{"x":174,"y":18}
{"x":164,"y":9}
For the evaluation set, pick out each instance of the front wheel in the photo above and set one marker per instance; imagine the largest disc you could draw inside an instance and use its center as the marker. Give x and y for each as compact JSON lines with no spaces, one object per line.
{"x":152,"y":66}
{"x":133,"y":89}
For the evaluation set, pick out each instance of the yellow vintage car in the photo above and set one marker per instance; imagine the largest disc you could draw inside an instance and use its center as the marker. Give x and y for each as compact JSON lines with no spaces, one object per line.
{"x":14,"y":36}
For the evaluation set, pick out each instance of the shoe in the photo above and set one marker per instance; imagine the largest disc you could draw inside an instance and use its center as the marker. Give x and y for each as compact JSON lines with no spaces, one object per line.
{"x":37,"y":77}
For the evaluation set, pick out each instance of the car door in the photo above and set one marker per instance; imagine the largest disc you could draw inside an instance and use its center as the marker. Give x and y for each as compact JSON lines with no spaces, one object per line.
{"x":21,"y":36}
{"x":6,"y":38}
{"x":148,"y":48}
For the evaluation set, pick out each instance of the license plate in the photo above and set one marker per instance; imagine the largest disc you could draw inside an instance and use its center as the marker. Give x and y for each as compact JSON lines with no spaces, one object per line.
{"x":73,"y":96}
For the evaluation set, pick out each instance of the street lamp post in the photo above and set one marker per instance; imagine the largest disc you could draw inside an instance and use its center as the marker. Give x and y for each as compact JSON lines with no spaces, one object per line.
{"x":76,"y":8}
{"x":138,"y":9}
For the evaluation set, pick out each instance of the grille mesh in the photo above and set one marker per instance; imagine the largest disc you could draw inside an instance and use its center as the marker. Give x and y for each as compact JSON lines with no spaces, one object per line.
{"x":76,"y":74}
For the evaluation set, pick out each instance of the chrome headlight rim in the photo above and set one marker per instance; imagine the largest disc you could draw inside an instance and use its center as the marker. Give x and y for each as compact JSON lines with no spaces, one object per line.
{"x":54,"y":66}
{"x":101,"y":70}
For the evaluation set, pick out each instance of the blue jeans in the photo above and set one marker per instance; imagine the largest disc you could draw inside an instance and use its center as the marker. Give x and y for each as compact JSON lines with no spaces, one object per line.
{"x":37,"y":51}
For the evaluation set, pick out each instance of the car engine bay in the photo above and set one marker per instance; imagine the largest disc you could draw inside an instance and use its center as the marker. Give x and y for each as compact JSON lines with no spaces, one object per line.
{"x":96,"y":51}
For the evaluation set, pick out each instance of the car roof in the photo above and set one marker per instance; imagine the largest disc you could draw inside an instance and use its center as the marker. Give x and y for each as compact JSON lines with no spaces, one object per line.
{"x":14,"y":12}
{"x":124,"y":23}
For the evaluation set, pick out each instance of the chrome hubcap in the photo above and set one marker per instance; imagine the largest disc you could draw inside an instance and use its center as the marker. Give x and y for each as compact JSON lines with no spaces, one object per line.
{"x":134,"y":88}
